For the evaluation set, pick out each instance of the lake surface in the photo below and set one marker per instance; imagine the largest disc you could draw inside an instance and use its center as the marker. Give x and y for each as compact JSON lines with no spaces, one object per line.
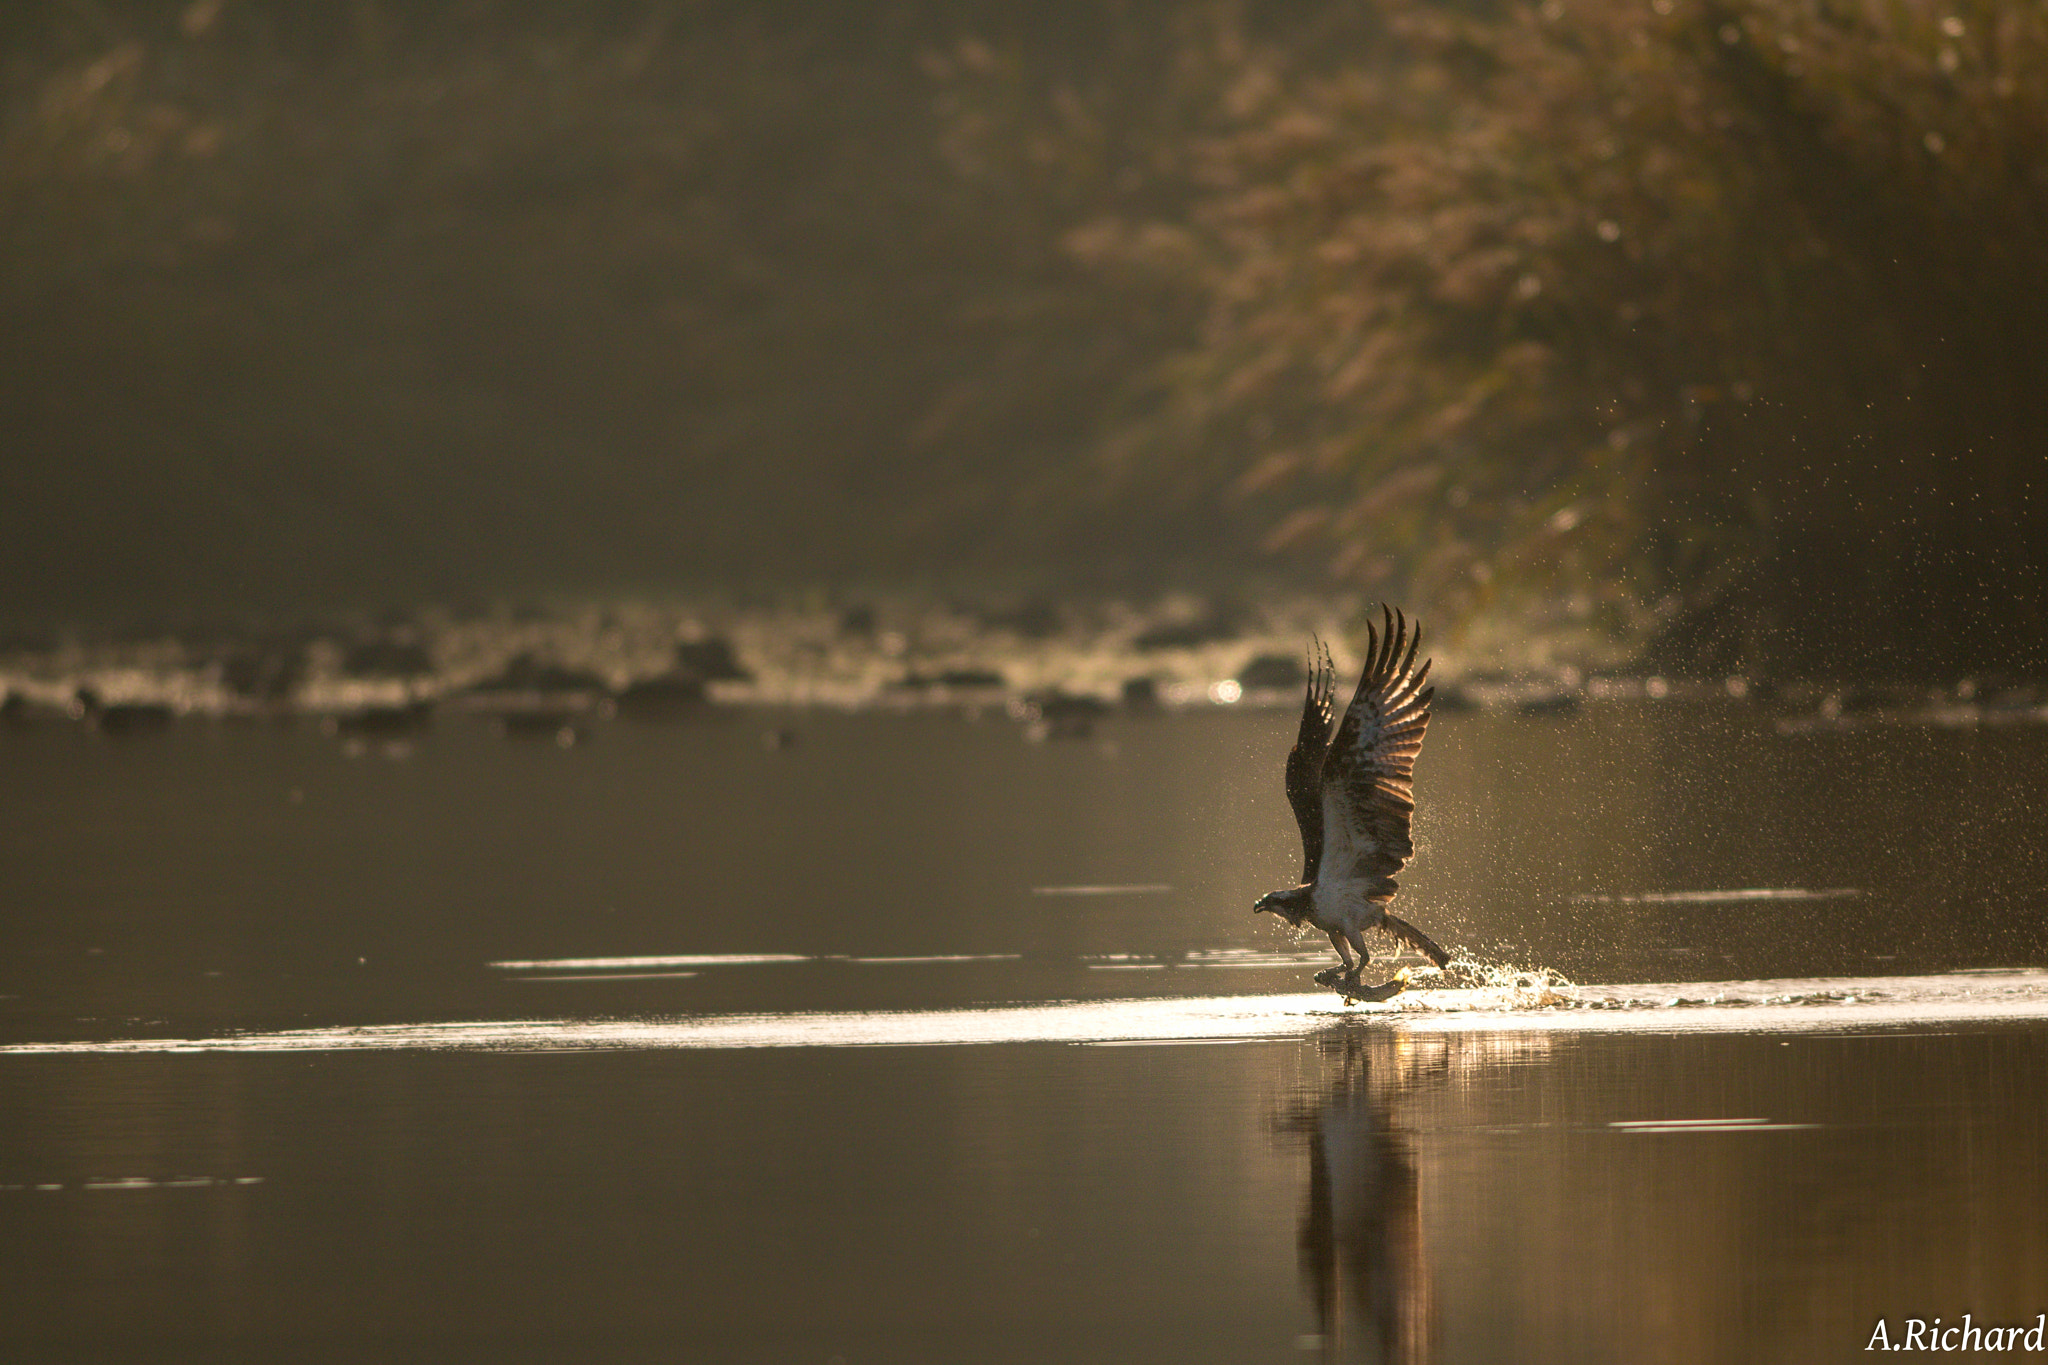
{"x":792,"y":1035}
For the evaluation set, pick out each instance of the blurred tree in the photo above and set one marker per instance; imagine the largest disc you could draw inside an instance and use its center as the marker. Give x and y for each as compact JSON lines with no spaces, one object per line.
{"x":1714,"y":316}
{"x":311,"y":304}
{"x":1713,"y":319}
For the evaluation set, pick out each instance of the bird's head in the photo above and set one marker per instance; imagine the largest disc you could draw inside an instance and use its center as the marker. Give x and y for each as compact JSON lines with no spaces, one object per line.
{"x":1290,"y":904}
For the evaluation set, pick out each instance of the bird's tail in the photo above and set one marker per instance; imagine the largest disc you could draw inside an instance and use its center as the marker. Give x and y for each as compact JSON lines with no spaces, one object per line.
{"x":1416,"y":939}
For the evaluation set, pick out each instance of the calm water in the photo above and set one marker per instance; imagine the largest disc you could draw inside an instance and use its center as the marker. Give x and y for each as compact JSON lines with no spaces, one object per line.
{"x":467,"y":1048}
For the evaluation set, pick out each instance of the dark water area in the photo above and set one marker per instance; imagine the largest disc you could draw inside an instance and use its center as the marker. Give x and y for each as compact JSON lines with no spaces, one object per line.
{"x":1457,"y":1199}
{"x":476,"y":1046}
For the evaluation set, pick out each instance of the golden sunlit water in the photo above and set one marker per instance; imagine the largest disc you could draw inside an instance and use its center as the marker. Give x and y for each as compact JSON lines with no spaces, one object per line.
{"x":1809,"y":1005}
{"x":913,"y":1040}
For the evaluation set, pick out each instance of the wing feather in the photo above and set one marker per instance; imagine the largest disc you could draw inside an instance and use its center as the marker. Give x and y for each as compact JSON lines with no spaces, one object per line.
{"x":1368,"y":778}
{"x":1305,"y":759}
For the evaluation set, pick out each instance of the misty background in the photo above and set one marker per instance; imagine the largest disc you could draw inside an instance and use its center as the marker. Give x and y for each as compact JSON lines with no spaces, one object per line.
{"x":1714,"y":326}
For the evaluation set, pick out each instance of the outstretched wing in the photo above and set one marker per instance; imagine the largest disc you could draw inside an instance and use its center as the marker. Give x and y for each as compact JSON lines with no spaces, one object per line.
{"x":1368,"y":778}
{"x":1305,"y":759}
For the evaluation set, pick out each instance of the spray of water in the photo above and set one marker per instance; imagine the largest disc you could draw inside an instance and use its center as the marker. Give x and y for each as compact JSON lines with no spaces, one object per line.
{"x":1487,"y":985}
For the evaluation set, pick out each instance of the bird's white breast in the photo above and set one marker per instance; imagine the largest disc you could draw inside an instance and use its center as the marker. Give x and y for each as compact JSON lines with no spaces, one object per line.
{"x":1342,"y":905}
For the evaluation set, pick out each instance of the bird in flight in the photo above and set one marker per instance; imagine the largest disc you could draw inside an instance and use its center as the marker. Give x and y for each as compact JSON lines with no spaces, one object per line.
{"x":1353,"y":796}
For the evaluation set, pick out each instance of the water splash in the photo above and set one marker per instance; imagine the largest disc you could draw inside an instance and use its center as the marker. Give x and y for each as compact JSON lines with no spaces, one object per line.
{"x":1504,"y":985}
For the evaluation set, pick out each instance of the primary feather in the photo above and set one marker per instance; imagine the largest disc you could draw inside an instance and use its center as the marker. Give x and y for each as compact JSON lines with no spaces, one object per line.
{"x":1305,"y":759}
{"x":1368,"y":777}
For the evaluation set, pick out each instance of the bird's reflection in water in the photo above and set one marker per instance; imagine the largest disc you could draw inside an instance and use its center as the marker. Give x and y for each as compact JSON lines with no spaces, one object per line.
{"x":1362,"y":1248}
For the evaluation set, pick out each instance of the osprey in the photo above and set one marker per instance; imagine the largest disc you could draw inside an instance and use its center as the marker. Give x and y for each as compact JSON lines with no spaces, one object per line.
{"x":1352,"y":797}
